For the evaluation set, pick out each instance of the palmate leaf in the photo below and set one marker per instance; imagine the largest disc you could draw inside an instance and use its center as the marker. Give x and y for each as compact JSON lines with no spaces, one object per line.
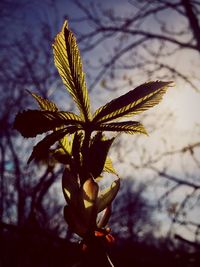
{"x":41,"y":150}
{"x":135,"y":101}
{"x":68,"y":62}
{"x":44,"y":103}
{"x":32,"y":122}
{"x":131,"y":127}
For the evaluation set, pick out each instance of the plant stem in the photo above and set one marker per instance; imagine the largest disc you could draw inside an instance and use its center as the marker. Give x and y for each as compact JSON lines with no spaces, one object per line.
{"x":85,"y":154}
{"x":109,"y":260}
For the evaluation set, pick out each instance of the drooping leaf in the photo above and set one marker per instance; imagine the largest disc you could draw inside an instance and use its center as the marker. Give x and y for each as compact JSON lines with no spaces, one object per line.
{"x":61,"y":156}
{"x":68,"y":62}
{"x":98,"y":152}
{"x":107,"y":195}
{"x":108,"y":166}
{"x":135,"y":101}
{"x":76,"y":149}
{"x":70,"y":187}
{"x":105,"y":218}
{"x":32,"y":122}
{"x":72,"y":147}
{"x":66,"y":144}
{"x":42,"y":148}
{"x":131,"y":127}
{"x":44,"y":103}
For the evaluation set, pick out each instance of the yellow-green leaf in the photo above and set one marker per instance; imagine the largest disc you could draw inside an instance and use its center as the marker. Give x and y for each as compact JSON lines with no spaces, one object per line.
{"x":66,"y":143}
{"x":135,"y":101}
{"x":42,"y":148}
{"x":131,"y":127}
{"x":32,"y":122}
{"x":108,"y":167}
{"x":68,"y":62}
{"x":44,"y":103}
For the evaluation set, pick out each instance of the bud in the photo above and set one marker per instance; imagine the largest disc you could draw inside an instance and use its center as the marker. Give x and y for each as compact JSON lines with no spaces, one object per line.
{"x":107,"y":195}
{"x":70,"y":187}
{"x":89,"y":196}
{"x":74,"y":220}
{"x":85,"y":202}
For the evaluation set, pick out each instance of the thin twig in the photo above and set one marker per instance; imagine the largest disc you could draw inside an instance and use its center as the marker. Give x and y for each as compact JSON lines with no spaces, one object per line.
{"x":109,"y":260}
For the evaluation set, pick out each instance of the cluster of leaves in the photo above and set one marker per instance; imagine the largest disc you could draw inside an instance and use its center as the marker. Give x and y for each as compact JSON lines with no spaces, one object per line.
{"x":81,"y":144}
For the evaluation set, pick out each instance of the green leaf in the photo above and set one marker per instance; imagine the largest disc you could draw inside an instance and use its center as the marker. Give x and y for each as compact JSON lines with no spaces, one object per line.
{"x":44,"y":103}
{"x":108,"y":167}
{"x":66,"y":144}
{"x":98,"y":152}
{"x":135,"y":101}
{"x":32,"y":122}
{"x":68,"y":62}
{"x":72,"y":146}
{"x":41,"y":150}
{"x":131,"y":127}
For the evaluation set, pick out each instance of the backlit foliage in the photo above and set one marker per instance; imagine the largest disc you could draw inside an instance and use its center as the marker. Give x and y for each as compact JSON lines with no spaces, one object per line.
{"x":79,"y":142}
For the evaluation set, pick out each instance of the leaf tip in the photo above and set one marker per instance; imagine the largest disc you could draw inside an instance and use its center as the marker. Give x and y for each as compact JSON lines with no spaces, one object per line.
{"x":171,"y":84}
{"x":31,"y":157}
{"x":65,"y":25}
